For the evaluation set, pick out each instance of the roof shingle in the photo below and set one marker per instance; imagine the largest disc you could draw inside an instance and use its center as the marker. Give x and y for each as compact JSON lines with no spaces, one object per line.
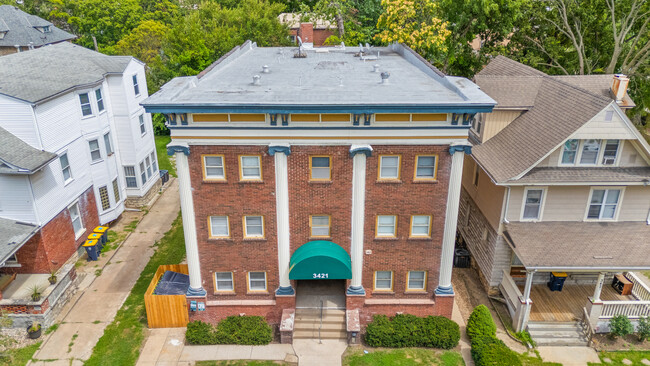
{"x":20,"y":29}
{"x":16,"y":156}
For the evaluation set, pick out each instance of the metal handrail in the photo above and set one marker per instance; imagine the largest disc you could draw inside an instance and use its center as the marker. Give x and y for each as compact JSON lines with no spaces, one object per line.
{"x":320,"y":341}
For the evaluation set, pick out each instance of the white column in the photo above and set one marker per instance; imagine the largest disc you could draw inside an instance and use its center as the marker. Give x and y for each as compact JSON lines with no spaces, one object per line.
{"x":187,"y":212}
{"x":523,"y":314}
{"x":280,"y":152}
{"x":599,"y":287}
{"x":359,"y":154}
{"x":457,"y":152}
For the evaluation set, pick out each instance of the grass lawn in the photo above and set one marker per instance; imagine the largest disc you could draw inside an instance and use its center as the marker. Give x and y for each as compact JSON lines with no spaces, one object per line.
{"x":122,"y":339}
{"x":19,"y":356}
{"x":240,"y":363}
{"x":533,"y":359}
{"x":163,"y":159}
{"x":617,"y":357}
{"x":401,"y":357}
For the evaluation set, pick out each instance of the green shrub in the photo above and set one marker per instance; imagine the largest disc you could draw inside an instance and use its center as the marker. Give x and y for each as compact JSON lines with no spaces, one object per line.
{"x":480,"y":323}
{"x":199,"y":332}
{"x":643,"y":330}
{"x":405,"y":330}
{"x":250,"y":330}
{"x":620,"y":326}
{"x":491,"y":351}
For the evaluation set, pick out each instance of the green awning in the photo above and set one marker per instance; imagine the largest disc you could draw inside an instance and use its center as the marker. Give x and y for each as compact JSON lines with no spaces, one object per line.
{"x":320,"y":260}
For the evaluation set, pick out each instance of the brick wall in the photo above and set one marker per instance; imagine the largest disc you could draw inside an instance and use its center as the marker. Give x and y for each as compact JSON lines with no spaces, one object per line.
{"x":320,"y":35}
{"x":53,"y":245}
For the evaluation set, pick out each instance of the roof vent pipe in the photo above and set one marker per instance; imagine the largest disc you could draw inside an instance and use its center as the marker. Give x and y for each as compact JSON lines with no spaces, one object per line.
{"x":384,"y":77}
{"x":375,"y":68}
{"x":265,"y":69}
{"x":256,"y":79}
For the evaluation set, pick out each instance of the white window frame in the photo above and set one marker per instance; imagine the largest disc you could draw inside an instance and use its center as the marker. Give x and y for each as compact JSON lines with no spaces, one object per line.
{"x":416,"y":289}
{"x":99,"y":100}
{"x":154,"y":163}
{"x":82,"y":104}
{"x":374,"y":282}
{"x":216,"y":282}
{"x":116,"y":190}
{"x":577,"y":152}
{"x":108,"y":198}
{"x":211,"y":234}
{"x":108,"y":144}
{"x":82,"y":229}
{"x":134,"y":176}
{"x":250,"y":288}
{"x":428,"y":235}
{"x":398,"y":176}
{"x":147,"y":161}
{"x":616,"y":155}
{"x":71,"y":178}
{"x":246,"y":234}
{"x":136,"y":84}
{"x":143,"y":127}
{"x":143,"y":173}
{"x":541,"y":203}
{"x":97,"y":150}
{"x":380,"y":235}
{"x":600,"y":215}
{"x":242,"y":177}
{"x":599,"y":158}
{"x":206,"y":176}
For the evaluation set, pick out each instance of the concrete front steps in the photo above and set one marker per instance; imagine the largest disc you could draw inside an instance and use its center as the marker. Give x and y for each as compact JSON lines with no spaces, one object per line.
{"x":557,"y":334}
{"x":308,"y":321}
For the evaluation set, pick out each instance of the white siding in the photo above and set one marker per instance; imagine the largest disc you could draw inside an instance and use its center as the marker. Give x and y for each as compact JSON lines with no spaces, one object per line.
{"x":16,"y":117}
{"x":599,"y":128}
{"x":16,"y":198}
{"x":59,"y":121}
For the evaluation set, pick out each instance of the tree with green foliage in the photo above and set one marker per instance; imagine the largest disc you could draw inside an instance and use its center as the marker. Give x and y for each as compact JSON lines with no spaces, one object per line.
{"x":144,"y":41}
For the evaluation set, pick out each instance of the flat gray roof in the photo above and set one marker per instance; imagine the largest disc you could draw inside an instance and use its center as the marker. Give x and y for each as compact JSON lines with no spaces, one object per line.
{"x":13,"y":235}
{"x":327,"y":76}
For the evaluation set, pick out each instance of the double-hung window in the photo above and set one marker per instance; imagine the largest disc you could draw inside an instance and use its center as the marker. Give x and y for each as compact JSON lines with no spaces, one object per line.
{"x":100,"y":100}
{"x":154,"y":164}
{"x":383,"y":281}
{"x":420,"y":226}
{"x":107,"y":144}
{"x":389,"y":167}
{"x":148,"y":161}
{"x":610,"y":152}
{"x":250,"y":167}
{"x":590,"y":151}
{"x":425,"y":167}
{"x":416,"y":281}
{"x":103,"y":197}
{"x":219,"y":227}
{"x":65,"y":167}
{"x":570,"y":151}
{"x":319,"y":226}
{"x":143,"y":129}
{"x":253,"y":227}
{"x":257,"y":281}
{"x":386,"y":226}
{"x":116,"y":190}
{"x":224,"y":282}
{"x":603,"y":204}
{"x":95,"y":154}
{"x":131,"y":177}
{"x":143,"y":173}
{"x":75,"y":217}
{"x":213,"y":167}
{"x":320,"y":168}
{"x":532,"y":204}
{"x":86,"y":109}
{"x":136,"y":87}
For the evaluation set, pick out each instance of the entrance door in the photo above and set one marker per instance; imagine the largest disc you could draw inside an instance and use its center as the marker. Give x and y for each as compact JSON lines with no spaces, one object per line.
{"x":310,"y":293}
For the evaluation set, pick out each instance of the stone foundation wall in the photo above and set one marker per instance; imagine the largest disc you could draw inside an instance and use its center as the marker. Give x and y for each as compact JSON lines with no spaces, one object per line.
{"x":137,"y":202}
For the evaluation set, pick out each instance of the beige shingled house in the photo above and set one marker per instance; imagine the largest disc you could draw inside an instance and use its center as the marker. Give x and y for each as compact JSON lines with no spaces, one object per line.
{"x":555,"y":205}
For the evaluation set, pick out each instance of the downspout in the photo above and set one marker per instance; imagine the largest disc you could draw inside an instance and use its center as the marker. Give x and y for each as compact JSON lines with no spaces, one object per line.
{"x":505,"y":211}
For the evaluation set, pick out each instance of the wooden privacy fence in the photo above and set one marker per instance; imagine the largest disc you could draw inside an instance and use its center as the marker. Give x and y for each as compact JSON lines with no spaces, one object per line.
{"x":166,"y":311}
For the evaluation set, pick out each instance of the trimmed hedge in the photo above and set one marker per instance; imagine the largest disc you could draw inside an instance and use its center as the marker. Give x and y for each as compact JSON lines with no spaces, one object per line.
{"x":248,"y":330}
{"x":480,"y":323}
{"x":405,"y":330}
{"x":487,"y":349}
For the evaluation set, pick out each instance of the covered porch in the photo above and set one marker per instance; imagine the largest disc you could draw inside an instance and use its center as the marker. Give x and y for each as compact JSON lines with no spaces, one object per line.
{"x":586,"y":257}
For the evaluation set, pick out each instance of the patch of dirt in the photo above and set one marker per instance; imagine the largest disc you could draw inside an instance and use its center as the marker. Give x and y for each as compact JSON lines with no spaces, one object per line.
{"x":603,"y":342}
{"x":16,"y":338}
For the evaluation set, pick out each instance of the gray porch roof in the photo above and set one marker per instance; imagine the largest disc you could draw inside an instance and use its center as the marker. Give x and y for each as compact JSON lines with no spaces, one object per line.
{"x":586,"y":175}
{"x":580,"y":246}
{"x":13,"y":235}
{"x":18,"y":157}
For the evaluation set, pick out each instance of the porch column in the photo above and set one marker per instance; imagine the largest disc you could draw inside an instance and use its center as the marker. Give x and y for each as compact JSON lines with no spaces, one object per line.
{"x":280,"y":153}
{"x":526,"y":303}
{"x":457,"y":151}
{"x":599,"y":287}
{"x":358,"y":154}
{"x":181,"y":151}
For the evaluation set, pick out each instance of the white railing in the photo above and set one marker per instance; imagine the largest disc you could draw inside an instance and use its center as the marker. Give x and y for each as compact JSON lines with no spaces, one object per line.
{"x":511,"y":292}
{"x":640,"y":290}
{"x":631,"y":309}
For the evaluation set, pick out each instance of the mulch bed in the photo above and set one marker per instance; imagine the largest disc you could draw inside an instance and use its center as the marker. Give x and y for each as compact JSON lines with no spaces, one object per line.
{"x":603,"y":342}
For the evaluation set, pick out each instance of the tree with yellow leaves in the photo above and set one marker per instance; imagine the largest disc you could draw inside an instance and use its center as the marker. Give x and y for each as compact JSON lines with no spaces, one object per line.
{"x":414,"y":23}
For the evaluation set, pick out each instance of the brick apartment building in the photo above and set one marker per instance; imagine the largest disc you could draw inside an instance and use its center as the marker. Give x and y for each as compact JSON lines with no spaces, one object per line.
{"x":331,"y":175}
{"x":313,"y":33}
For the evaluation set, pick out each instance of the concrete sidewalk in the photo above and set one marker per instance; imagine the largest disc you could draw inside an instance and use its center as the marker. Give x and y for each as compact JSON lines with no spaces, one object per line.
{"x":84,"y":323}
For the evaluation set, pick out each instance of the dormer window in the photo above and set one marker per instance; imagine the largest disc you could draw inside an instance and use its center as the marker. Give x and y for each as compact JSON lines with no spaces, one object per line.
{"x":44,"y":29}
{"x":589,"y":152}
{"x":2,"y":35}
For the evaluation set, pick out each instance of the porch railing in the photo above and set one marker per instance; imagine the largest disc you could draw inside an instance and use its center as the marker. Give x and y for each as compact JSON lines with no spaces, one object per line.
{"x":640,"y":290}
{"x":631,"y":309}
{"x":511,"y":292}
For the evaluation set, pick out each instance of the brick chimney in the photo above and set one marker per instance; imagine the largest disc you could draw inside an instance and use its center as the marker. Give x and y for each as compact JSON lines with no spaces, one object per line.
{"x":619,"y":86}
{"x":306,"y":33}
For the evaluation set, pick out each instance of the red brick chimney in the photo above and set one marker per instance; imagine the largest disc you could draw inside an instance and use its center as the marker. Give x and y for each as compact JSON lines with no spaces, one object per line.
{"x":306,"y":32}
